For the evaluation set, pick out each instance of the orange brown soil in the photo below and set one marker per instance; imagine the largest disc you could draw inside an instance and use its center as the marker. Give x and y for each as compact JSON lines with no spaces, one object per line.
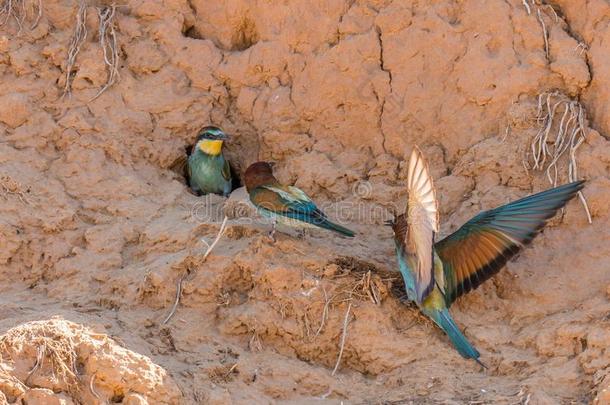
{"x":97,"y":226}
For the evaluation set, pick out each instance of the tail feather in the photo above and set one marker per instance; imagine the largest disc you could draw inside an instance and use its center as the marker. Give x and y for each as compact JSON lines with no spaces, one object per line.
{"x":446,"y":323}
{"x":326,"y":224}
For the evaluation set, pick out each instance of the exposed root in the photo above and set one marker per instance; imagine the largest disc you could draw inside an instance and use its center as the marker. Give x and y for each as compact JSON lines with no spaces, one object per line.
{"x":108,"y":42}
{"x":327,"y":302}
{"x":554,"y":139}
{"x":93,"y":391}
{"x":78,"y":38}
{"x":255,"y":344}
{"x":222,"y":230}
{"x":581,"y":47}
{"x":39,"y":359}
{"x":538,"y":6}
{"x":346,"y":322}
{"x":544,"y":33}
{"x":178,"y":295}
{"x":53,"y":346}
{"x":20,"y":11}
{"x":370,"y":288}
{"x":8,"y":186}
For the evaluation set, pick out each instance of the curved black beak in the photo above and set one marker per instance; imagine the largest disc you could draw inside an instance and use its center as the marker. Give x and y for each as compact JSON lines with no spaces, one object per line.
{"x":389,"y":222}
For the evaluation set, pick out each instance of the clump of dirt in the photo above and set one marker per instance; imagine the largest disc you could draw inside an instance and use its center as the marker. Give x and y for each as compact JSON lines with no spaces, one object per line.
{"x":57,"y":361}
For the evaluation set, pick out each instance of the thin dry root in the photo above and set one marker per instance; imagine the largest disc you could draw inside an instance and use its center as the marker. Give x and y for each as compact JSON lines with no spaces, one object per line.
{"x":39,"y":359}
{"x":8,"y":186}
{"x":20,"y":10}
{"x":544,"y":33}
{"x":538,"y":6}
{"x":346,"y":321}
{"x":327,"y":302}
{"x":548,"y":146}
{"x":108,"y":42}
{"x":52,"y":346}
{"x":255,"y":344}
{"x":221,"y":232}
{"x":581,"y":47}
{"x":78,"y":38}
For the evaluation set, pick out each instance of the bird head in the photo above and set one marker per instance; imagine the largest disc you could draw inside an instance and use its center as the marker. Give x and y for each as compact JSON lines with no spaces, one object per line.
{"x":210,"y":140}
{"x":259,"y":173}
{"x":399,"y":226}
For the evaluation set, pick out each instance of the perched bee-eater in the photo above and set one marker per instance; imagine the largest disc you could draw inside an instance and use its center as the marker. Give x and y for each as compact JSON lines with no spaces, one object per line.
{"x":285,"y":204}
{"x":208,"y":170}
{"x":435,"y":274}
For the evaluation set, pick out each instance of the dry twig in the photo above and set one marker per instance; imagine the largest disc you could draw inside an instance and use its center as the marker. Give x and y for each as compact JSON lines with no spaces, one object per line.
{"x":222,"y":230}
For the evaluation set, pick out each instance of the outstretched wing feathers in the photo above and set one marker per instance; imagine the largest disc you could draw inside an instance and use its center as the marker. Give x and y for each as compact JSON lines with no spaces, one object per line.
{"x":423,"y":222}
{"x":483,"y":245}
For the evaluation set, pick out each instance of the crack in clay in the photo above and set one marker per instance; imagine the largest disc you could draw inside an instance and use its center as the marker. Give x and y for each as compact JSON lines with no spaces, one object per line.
{"x":389,"y":72}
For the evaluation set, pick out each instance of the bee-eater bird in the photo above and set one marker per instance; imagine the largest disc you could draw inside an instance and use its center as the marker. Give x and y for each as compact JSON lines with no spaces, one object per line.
{"x":436,"y":274}
{"x":208,"y":170}
{"x":287,"y":205}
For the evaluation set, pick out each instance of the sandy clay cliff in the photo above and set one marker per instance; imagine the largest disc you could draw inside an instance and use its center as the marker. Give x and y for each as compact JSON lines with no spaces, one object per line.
{"x":98,"y":103}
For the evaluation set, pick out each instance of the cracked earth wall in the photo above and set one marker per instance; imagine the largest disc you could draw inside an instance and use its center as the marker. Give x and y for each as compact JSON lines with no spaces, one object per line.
{"x":97,"y":226}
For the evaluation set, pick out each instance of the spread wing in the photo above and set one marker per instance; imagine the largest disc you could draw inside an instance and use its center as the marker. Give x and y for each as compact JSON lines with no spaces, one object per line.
{"x":423,"y":222}
{"x":483,"y":245}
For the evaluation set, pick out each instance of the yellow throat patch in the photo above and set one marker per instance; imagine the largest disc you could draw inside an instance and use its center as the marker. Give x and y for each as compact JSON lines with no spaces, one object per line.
{"x":211,"y":147}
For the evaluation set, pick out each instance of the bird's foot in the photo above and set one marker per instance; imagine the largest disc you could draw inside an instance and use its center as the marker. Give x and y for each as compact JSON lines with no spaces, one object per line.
{"x":301,"y":233}
{"x":271,"y":236}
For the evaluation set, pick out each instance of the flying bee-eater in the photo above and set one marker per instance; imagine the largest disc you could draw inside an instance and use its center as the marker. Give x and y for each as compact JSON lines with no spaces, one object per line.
{"x":437,"y":273}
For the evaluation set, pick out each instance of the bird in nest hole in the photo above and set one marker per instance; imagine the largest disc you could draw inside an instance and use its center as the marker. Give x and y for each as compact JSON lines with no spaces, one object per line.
{"x":208,"y":170}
